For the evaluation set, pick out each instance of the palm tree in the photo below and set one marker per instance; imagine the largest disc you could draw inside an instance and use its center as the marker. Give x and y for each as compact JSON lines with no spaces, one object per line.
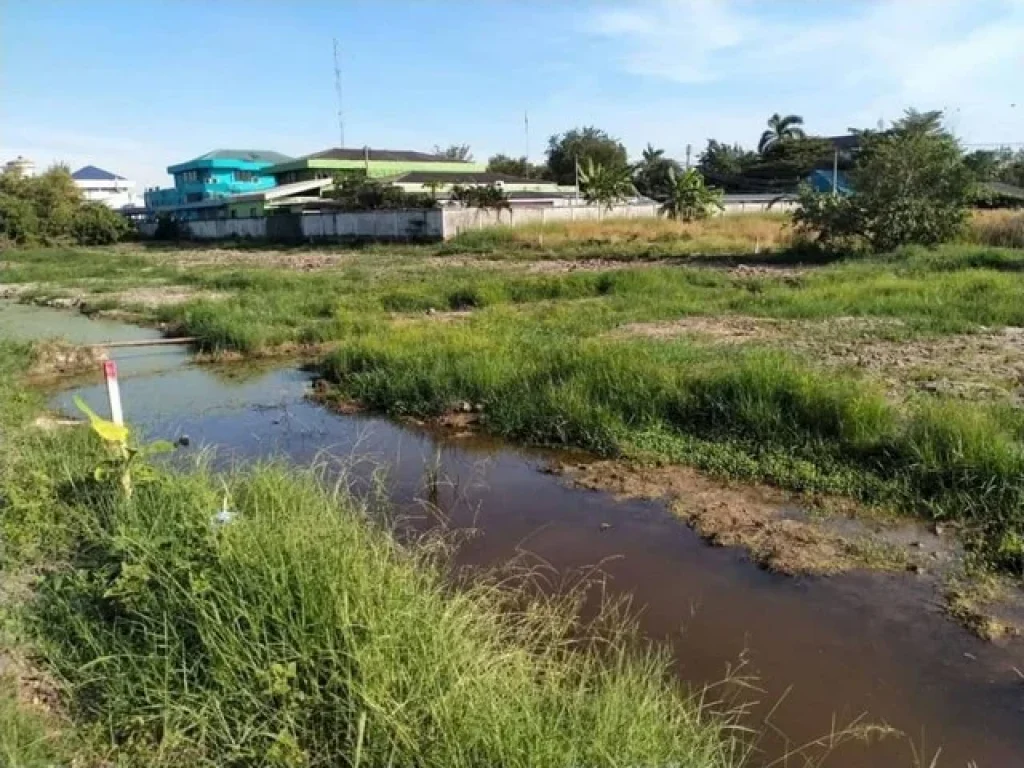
{"x":780,"y":129}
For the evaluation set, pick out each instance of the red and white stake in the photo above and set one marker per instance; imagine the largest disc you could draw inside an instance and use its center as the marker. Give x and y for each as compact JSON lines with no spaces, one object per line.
{"x":113,"y":391}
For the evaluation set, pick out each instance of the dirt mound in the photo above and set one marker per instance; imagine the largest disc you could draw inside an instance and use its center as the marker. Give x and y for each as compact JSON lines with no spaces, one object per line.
{"x":59,"y":358}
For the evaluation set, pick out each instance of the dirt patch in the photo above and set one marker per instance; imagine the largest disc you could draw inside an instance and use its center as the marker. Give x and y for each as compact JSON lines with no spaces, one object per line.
{"x":304,"y":260}
{"x":58,"y":358}
{"x":991,"y":607}
{"x":724,"y":329}
{"x":754,"y":518}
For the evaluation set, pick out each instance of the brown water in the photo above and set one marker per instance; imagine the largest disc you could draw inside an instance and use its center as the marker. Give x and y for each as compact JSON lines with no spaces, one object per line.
{"x":825,"y":651}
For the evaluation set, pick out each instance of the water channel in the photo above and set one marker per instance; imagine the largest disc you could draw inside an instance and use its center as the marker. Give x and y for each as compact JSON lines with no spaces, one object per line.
{"x":825,"y":651}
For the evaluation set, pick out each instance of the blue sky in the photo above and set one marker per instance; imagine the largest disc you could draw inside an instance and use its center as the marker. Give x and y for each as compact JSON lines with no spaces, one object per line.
{"x":136,"y":86}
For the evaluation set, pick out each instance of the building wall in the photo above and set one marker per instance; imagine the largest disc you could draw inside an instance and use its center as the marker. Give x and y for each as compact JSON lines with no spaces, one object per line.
{"x":209,"y":180}
{"x":303,"y":170}
{"x":115,"y":194}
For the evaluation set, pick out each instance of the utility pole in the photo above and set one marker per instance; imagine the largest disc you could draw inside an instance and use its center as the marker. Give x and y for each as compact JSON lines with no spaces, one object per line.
{"x":689,"y":152}
{"x":526,"y":127}
{"x":337,"y":90}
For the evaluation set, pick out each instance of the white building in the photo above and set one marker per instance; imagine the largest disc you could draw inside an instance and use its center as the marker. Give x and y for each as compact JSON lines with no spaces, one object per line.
{"x":21,"y":166}
{"x":101,"y":186}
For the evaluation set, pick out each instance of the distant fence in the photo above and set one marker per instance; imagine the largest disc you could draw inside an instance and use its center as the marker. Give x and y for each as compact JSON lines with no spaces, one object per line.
{"x":430,"y":224}
{"x":458,"y":220}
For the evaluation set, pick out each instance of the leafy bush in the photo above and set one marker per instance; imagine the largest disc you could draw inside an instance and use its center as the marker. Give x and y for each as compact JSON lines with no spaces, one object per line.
{"x":911,"y":186}
{"x":481,"y":196}
{"x":358,"y":193}
{"x":96,"y":224}
{"x":49,"y":209}
{"x":19,"y":224}
{"x":168,"y":228}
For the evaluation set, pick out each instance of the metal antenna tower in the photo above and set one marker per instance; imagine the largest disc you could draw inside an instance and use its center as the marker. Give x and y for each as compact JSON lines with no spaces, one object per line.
{"x":337,"y":90}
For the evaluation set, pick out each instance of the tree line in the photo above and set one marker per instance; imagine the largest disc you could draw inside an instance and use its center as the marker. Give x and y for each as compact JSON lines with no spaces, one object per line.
{"x":49,"y":209}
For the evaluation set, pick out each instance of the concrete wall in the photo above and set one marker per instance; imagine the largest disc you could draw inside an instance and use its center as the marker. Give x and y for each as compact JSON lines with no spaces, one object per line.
{"x":374,"y":225}
{"x":458,"y":220}
{"x":367,"y":225}
{"x":224,"y":229}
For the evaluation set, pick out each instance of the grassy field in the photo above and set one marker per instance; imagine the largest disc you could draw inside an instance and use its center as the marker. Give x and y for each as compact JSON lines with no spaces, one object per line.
{"x":895,"y":380}
{"x":298,"y":634}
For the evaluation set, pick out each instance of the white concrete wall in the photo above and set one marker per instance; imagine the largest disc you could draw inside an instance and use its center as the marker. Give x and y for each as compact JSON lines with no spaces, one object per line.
{"x":373,"y":225}
{"x":458,"y":220}
{"x":224,"y":229}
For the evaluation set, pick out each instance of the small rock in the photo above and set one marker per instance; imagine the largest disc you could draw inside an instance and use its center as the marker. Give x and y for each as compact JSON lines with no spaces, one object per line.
{"x":604,"y":526}
{"x":938,"y":528}
{"x":970,"y":656}
{"x":431,"y":311}
{"x":466,"y":407}
{"x":915,"y":568}
{"x":916,"y":544}
{"x":184,"y":441}
{"x":478,"y":407}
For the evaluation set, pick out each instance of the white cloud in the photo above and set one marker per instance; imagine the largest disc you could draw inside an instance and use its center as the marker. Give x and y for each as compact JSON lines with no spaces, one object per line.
{"x":841,"y":62}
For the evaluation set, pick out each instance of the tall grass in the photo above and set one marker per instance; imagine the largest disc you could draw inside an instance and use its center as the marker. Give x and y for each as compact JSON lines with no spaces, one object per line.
{"x":301,"y":634}
{"x":1004,"y":229}
{"x":620,"y":238}
{"x":758,"y":414}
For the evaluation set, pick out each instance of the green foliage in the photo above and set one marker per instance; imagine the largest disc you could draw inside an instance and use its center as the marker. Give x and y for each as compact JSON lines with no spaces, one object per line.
{"x":481,"y":196}
{"x":910,"y":185}
{"x":721,"y":162}
{"x":168,"y":228}
{"x":688,"y":198}
{"x":28,"y":738}
{"x":49,"y":209}
{"x":582,"y":146}
{"x":652,"y":175}
{"x":300,"y":634}
{"x":19,"y":224}
{"x":520,"y":167}
{"x":781,"y":129}
{"x":358,"y":193}
{"x":96,"y":224}
{"x":606,"y":185}
{"x":456,"y":152}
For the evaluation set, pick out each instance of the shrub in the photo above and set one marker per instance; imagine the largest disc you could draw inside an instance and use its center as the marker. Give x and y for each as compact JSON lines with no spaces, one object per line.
{"x":96,"y":224}
{"x":910,"y":186}
{"x":19,"y":224}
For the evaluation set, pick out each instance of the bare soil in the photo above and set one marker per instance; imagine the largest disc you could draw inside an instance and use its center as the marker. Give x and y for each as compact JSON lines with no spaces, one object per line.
{"x":58,"y":358}
{"x":755,"y":518}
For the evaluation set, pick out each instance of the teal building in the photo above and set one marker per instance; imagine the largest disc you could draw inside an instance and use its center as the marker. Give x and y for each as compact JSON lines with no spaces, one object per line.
{"x":210,"y":178}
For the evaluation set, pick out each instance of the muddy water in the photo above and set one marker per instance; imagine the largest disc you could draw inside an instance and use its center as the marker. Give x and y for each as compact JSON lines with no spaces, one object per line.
{"x":825,"y":651}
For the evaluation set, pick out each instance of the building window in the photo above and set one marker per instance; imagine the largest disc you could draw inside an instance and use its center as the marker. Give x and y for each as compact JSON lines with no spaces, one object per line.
{"x":254,"y":212}
{"x":193,"y":197}
{"x":245,"y":175}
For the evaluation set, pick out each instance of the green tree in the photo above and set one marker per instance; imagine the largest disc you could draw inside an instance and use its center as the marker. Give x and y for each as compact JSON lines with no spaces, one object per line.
{"x":56,"y":199}
{"x":516,"y":166}
{"x":96,"y":224}
{"x":583,"y":145}
{"x":725,"y":164}
{"x":459,"y":152}
{"x":780,"y":129}
{"x":606,"y":185}
{"x":358,"y":193}
{"x":910,"y":185}
{"x":651,"y":175}
{"x":689,"y":197}
{"x":481,"y":196}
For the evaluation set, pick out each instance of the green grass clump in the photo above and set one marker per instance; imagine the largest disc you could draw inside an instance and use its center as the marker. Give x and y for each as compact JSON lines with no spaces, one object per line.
{"x":301,"y":634}
{"x":770,"y":416}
